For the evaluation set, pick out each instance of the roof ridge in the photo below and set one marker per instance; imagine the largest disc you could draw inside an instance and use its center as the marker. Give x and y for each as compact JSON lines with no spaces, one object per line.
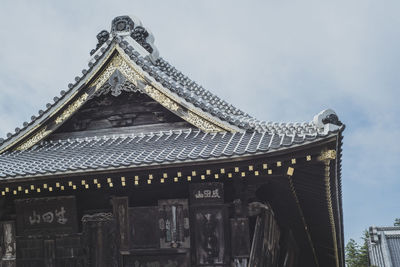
{"x":63,"y":93}
{"x":164,"y":66}
{"x":138,"y":43}
{"x":386,"y":228}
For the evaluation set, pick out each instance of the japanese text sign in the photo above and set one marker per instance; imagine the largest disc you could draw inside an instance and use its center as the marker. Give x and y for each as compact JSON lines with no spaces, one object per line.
{"x":43,"y":216}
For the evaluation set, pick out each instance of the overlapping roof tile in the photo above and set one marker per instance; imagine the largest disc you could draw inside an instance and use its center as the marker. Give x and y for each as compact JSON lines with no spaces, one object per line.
{"x":132,"y":150}
{"x":172,"y":79}
{"x":81,"y":154}
{"x":384,"y":246}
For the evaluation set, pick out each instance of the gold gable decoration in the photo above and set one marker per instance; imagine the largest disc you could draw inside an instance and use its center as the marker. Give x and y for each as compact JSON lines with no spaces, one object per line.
{"x":72,"y":108}
{"x":137,"y":77}
{"x":117,"y":60}
{"x":42,"y":133}
{"x":117,"y":63}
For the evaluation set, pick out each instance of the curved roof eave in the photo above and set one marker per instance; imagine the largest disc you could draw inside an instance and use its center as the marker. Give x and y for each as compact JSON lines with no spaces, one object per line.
{"x":143,"y":55}
{"x":59,"y":101}
{"x":239,"y":153}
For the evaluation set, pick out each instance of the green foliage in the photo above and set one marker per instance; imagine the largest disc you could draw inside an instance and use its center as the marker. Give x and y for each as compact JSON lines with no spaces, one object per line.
{"x":356,"y":255}
{"x":352,"y":253}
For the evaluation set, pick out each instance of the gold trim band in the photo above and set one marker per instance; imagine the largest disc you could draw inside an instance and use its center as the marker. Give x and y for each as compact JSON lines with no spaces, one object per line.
{"x":118,"y":62}
{"x":326,"y":157}
{"x":34,"y":139}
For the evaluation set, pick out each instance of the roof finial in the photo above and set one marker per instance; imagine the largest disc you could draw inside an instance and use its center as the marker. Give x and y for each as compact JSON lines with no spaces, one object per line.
{"x":131,"y":26}
{"x":122,"y":24}
{"x":327,"y":120}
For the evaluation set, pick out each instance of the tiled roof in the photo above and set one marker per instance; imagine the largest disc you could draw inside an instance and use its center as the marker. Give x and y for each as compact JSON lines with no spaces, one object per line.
{"x":384,"y":246}
{"x":394,"y":248}
{"x":203,"y":98}
{"x":107,"y":152}
{"x":57,"y":100}
{"x":171,"y":79}
{"x":131,"y":150}
{"x":162,"y":72}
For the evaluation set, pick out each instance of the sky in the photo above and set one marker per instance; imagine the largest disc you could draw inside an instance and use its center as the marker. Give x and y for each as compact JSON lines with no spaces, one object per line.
{"x":281,"y":61}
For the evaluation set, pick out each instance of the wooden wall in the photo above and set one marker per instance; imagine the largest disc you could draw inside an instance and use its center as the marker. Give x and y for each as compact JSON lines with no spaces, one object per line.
{"x":209,"y":224}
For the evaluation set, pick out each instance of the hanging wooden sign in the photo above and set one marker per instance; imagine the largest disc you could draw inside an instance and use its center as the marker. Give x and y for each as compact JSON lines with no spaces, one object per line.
{"x":211,"y":234}
{"x":206,"y":193}
{"x":174,"y":223}
{"x":7,"y":243}
{"x":50,"y":215}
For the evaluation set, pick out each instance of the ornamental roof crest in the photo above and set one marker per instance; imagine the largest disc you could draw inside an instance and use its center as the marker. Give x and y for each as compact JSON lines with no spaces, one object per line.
{"x":126,"y":60}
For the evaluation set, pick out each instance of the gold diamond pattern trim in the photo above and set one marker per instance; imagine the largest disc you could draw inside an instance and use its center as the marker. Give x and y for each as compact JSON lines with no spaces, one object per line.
{"x":128,"y":72}
{"x":117,"y":63}
{"x":71,"y":108}
{"x":133,"y":75}
{"x":197,"y":114}
{"x":190,"y":117}
{"x":201,"y":123}
{"x":327,"y":155}
{"x":34,"y":139}
{"x":161,"y":98}
{"x":107,"y":72}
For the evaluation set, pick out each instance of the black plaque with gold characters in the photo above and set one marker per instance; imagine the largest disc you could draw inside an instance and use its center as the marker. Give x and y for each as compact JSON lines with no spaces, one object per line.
{"x":206,"y":193}
{"x":50,"y":215}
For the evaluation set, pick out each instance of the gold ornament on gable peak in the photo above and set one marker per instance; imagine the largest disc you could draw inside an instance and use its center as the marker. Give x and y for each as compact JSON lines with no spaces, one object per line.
{"x":120,"y":64}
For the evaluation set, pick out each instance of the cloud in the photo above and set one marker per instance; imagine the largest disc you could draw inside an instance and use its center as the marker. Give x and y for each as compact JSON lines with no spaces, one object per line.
{"x":277,"y":60}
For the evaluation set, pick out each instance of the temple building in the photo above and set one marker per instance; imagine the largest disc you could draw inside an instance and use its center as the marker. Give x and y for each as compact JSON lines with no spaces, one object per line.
{"x":384,"y":246}
{"x":136,"y":165}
